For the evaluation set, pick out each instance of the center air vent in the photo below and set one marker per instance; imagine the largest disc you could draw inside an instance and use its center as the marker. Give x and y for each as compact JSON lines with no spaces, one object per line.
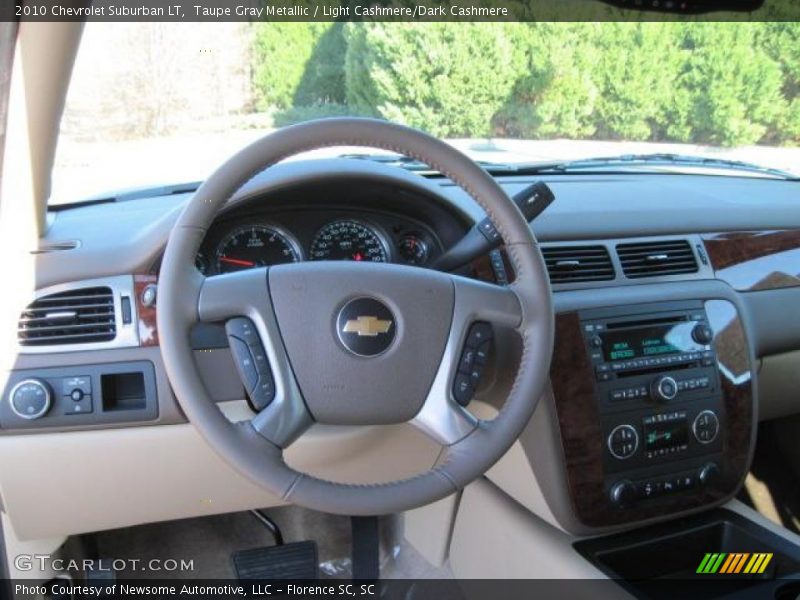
{"x":79,"y":316}
{"x":649,"y":259}
{"x":574,"y":264}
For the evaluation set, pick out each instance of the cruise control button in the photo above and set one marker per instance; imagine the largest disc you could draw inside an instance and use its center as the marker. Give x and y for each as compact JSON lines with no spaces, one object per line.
{"x":263,"y":393}
{"x":244,"y":362}
{"x":462,"y":389}
{"x":243,"y":329}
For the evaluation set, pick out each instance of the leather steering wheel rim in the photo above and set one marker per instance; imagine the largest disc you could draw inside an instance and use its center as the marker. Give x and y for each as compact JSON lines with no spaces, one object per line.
{"x":254,"y":448}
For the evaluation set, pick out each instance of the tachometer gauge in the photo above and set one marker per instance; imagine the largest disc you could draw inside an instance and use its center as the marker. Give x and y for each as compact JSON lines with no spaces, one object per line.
{"x":348,"y":240}
{"x":254,"y":246}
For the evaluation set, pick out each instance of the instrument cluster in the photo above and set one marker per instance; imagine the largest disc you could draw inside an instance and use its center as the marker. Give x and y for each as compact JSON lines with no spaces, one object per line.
{"x":263,"y":242}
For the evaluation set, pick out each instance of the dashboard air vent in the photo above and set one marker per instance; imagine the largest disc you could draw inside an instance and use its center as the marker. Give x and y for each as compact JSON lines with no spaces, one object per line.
{"x":78,"y":316}
{"x":650,"y":259}
{"x":574,"y":264}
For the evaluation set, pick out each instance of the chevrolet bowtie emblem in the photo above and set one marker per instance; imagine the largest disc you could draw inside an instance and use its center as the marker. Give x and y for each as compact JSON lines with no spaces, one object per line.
{"x":367,"y":326}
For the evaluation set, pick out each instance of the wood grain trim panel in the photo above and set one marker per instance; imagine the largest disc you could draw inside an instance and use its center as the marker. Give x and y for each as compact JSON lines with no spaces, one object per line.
{"x":581,"y":430}
{"x":148,"y":330}
{"x":755,"y":260}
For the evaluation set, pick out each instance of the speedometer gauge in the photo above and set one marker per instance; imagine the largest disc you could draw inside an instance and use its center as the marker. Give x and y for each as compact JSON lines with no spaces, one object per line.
{"x":348,"y":240}
{"x":254,"y":246}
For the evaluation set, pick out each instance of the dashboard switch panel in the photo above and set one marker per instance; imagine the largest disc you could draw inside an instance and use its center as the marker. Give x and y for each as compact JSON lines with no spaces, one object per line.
{"x":79,"y":396}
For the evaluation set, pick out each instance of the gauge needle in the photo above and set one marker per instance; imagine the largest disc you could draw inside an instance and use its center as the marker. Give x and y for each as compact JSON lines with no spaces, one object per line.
{"x":236,"y":261}
{"x":357,"y":256}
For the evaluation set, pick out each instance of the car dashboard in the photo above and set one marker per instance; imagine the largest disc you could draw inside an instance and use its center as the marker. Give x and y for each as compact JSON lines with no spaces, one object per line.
{"x":671,"y":292}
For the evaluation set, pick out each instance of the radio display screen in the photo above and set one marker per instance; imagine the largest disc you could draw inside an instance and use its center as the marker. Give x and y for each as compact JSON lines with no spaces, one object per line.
{"x":647,"y":342}
{"x":665,"y":434}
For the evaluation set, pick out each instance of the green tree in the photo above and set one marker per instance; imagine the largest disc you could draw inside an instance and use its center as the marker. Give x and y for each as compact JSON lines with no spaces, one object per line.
{"x":298,"y":63}
{"x":734,"y":85}
{"x":555,"y":94}
{"x":636,"y":68}
{"x":449,"y":79}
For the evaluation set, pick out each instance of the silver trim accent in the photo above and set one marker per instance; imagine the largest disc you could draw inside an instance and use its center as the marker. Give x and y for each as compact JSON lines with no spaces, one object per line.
{"x":635,"y":441}
{"x":127,"y":333}
{"x":47,"y":399}
{"x":694,"y":426}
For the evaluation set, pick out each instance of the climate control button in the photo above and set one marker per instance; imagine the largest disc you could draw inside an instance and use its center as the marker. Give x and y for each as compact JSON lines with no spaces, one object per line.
{"x":706,"y":426}
{"x":623,"y":441}
{"x":30,"y":398}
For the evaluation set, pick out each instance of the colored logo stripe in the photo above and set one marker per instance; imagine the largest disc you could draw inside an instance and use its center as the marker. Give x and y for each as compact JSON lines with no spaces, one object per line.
{"x":735,"y":562}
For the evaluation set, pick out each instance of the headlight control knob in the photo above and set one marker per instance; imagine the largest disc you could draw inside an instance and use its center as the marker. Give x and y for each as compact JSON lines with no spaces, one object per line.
{"x":30,"y":398}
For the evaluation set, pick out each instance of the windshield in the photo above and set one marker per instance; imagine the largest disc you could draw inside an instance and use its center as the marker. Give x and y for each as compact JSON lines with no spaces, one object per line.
{"x":165,"y":103}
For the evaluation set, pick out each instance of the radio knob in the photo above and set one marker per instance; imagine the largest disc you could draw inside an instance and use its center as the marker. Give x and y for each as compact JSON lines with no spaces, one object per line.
{"x":702,"y":334}
{"x":707,"y":474}
{"x":30,"y":398}
{"x":664,"y":388}
{"x":622,"y":493}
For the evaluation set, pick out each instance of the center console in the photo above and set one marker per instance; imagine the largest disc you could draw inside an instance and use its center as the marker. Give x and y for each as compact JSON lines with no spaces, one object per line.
{"x":654,"y":405}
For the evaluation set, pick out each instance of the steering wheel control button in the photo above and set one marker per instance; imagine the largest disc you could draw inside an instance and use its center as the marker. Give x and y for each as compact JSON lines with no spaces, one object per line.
{"x":474,"y":357}
{"x":366,"y":327}
{"x":706,"y":426}
{"x":243,"y":329}
{"x":244,"y":362}
{"x":479,"y":333}
{"x":623,"y":441}
{"x":251,"y":361}
{"x":30,"y":398}
{"x":462,"y":389}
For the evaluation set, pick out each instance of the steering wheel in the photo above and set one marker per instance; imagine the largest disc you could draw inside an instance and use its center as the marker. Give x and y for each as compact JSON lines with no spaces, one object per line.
{"x":356,"y":343}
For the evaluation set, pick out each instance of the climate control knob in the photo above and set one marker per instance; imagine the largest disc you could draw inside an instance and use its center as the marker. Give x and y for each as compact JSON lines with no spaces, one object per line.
{"x":622,"y":493}
{"x":30,"y":398}
{"x":664,"y":388}
{"x":706,"y":426}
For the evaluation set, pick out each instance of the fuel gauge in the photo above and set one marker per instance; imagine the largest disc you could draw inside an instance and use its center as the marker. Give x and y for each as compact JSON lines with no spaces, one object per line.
{"x":413,"y":249}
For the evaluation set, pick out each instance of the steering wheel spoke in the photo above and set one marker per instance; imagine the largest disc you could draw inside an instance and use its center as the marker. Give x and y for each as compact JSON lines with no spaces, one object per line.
{"x":477,"y":306}
{"x":242,"y":300}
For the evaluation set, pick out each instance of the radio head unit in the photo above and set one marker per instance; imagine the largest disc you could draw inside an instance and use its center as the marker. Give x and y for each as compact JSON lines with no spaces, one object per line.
{"x":658,"y":395}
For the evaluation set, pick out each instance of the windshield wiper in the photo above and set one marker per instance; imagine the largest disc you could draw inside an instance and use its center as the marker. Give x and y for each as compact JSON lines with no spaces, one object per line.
{"x":655,"y":159}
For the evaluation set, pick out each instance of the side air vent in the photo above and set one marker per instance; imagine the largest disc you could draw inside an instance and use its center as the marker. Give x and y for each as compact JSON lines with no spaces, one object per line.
{"x":574,"y":264}
{"x":78,"y":316}
{"x":650,"y":259}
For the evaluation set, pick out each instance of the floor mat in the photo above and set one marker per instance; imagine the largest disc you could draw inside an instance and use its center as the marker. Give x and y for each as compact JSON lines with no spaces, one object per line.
{"x":209,"y":543}
{"x":771,"y":487}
